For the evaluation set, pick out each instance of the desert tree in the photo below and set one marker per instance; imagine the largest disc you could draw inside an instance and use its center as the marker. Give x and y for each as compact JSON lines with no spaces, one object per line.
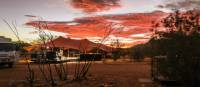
{"x":117,"y":52}
{"x":138,"y":52}
{"x":180,"y":44}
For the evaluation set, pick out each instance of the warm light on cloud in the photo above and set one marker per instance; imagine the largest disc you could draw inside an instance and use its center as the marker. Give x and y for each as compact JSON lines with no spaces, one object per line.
{"x":128,"y":28}
{"x":90,"y":6}
{"x":142,"y":35}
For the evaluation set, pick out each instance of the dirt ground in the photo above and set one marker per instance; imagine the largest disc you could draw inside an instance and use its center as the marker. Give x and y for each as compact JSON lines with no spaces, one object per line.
{"x":109,"y":74}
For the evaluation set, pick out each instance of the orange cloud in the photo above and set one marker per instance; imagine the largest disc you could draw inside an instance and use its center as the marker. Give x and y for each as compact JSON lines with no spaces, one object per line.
{"x":130,"y":26}
{"x":95,"y":5}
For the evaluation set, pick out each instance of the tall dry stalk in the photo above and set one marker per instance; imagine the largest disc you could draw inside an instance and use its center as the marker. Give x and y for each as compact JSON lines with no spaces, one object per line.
{"x":81,"y":72}
{"x":60,"y":70}
{"x":31,"y":73}
{"x":43,"y":39}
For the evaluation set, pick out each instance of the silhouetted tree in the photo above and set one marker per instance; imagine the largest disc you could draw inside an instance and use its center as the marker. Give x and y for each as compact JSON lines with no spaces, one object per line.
{"x":117,"y":52}
{"x":20,"y":46}
{"x":180,"y":44}
{"x":137,"y":52}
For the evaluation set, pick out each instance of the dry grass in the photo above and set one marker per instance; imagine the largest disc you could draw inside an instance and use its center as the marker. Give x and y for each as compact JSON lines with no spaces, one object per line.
{"x":110,"y":74}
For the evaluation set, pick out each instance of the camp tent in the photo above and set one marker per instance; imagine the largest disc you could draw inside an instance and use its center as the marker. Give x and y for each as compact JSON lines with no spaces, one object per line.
{"x":82,"y":45}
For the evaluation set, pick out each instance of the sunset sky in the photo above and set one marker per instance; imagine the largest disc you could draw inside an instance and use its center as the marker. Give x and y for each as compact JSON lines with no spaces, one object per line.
{"x":91,"y":19}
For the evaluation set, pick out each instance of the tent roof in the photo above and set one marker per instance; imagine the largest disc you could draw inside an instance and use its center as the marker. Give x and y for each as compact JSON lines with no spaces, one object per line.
{"x":82,"y":45}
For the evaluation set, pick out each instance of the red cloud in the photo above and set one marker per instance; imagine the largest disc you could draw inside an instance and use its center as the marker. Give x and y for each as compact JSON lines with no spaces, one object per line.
{"x":121,"y":25}
{"x":95,"y":5}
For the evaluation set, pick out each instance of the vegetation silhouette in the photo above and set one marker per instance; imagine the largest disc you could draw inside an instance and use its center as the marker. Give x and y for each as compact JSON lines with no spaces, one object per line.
{"x":180,"y":45}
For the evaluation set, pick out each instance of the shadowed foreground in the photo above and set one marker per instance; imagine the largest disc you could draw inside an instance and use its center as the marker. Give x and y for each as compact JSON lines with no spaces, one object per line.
{"x":100,"y":75}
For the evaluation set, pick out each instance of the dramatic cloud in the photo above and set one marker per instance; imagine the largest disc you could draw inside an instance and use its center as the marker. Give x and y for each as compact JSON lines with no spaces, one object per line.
{"x":94,"y":5}
{"x":181,"y":4}
{"x":33,"y":32}
{"x":129,"y":28}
